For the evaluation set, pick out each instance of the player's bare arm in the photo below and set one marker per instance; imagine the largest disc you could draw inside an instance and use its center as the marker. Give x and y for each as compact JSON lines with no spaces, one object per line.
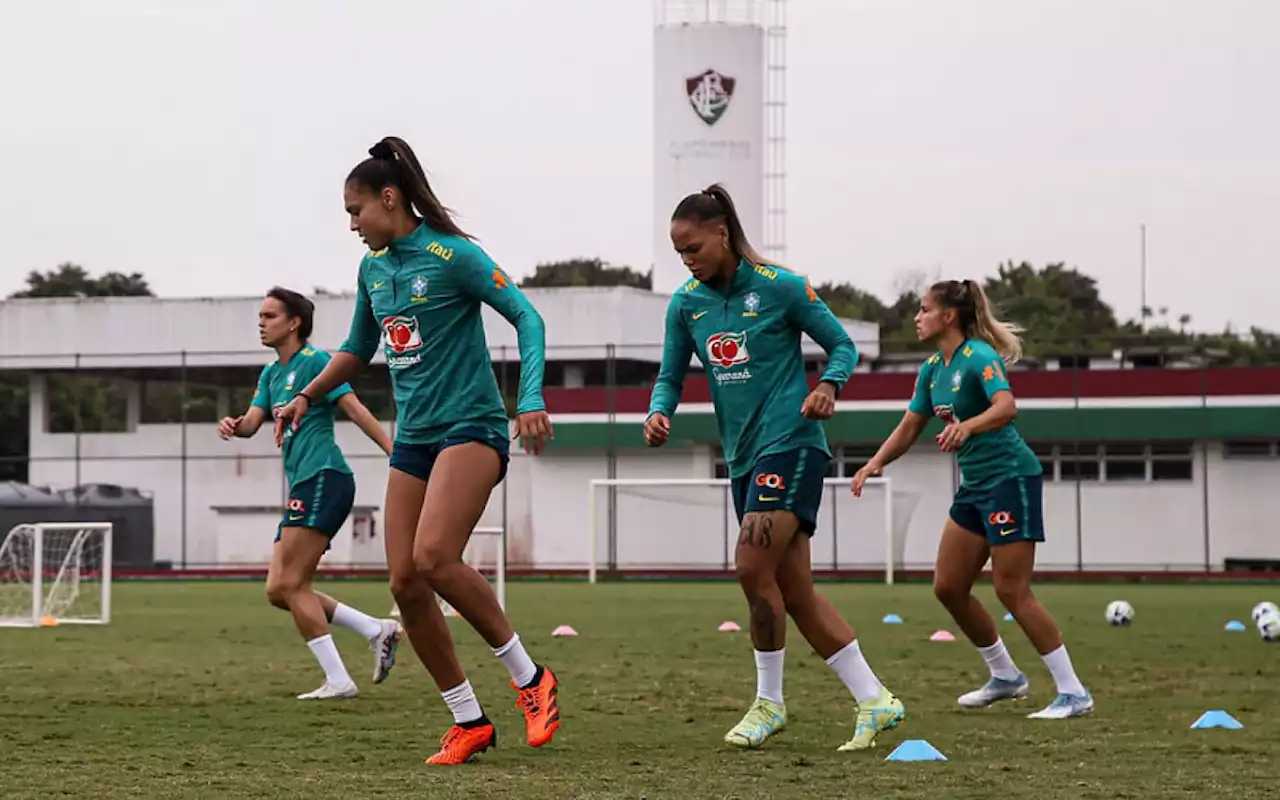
{"x":364,"y":419}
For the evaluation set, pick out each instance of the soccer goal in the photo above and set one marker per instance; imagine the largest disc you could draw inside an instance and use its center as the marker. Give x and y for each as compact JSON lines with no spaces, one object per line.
{"x":486,"y":551}
{"x":670,"y":523}
{"x":56,"y":574}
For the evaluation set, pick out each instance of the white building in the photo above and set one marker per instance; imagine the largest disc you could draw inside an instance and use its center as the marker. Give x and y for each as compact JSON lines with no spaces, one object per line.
{"x":1145,"y":468}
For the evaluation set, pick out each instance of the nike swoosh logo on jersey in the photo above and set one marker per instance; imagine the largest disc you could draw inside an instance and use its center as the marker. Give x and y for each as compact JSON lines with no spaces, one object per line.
{"x":699,"y":315}
{"x":376,"y":285}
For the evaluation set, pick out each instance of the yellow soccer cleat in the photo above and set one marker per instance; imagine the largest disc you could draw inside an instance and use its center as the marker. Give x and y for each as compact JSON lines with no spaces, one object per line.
{"x":884,"y":713}
{"x":763,"y":720}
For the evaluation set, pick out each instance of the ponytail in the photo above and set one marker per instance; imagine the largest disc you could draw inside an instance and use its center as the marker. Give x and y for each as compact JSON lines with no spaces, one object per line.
{"x":713,"y":204}
{"x":393,"y":163}
{"x":977,"y":320}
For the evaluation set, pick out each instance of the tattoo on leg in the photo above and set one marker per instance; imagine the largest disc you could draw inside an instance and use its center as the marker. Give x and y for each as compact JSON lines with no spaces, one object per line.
{"x":757,"y":531}
{"x":763,"y":621}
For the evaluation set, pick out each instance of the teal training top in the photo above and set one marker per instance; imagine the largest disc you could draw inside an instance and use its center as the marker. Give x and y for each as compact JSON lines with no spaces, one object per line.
{"x":962,"y":390}
{"x":748,"y":338}
{"x":312,"y":447}
{"x":422,"y":295}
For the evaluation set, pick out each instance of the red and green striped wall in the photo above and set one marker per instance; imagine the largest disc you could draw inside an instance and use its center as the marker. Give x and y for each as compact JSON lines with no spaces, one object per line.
{"x":1146,"y":405}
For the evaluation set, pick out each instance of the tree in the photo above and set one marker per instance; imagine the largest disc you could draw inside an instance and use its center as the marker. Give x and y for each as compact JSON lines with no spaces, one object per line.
{"x":75,"y":402}
{"x":71,"y":280}
{"x":1059,"y":306}
{"x":586,"y":272}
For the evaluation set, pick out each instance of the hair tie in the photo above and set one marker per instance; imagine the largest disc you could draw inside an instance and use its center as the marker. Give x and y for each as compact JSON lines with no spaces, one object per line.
{"x":383,"y":152}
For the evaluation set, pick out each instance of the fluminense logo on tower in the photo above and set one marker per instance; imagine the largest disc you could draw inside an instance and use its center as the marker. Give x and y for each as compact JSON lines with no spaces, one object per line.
{"x":709,"y":94}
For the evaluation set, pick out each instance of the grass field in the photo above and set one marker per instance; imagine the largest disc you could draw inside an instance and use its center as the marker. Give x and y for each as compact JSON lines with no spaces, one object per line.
{"x":190,"y":693}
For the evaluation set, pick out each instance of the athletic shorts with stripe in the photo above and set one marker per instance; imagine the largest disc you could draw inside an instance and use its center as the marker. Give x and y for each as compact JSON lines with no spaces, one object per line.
{"x":322,"y":502}
{"x":1008,"y":511}
{"x":787,"y":481}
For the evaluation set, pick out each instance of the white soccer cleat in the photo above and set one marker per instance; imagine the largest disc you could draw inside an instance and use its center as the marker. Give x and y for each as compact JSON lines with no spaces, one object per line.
{"x":384,"y":647}
{"x":331,"y":692}
{"x":995,"y":690}
{"x":1066,"y":705}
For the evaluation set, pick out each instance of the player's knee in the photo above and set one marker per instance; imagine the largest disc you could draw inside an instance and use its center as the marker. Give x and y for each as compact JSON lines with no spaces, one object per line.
{"x":801,"y":602}
{"x":408,"y":587}
{"x":279,"y":593}
{"x":1012,"y":591}
{"x":430,"y":559}
{"x":950,"y":592}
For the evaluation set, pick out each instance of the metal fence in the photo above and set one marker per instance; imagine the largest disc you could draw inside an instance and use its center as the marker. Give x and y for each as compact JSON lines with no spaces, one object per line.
{"x":1170,"y":447}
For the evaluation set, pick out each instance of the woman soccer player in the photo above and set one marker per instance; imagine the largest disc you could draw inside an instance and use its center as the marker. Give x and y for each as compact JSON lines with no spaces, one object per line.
{"x":421,"y":285}
{"x":996,"y":512}
{"x":321,"y":492}
{"x":743,"y":317}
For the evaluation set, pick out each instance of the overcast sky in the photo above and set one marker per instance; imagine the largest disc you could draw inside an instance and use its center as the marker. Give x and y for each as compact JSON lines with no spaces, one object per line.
{"x":204,"y":143}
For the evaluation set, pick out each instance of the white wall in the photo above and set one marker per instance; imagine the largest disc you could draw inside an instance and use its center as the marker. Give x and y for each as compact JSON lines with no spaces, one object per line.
{"x":548,"y":499}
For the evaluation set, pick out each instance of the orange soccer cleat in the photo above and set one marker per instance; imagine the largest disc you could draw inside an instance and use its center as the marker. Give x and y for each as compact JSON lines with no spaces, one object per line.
{"x":459,"y":744}
{"x":541,"y":707}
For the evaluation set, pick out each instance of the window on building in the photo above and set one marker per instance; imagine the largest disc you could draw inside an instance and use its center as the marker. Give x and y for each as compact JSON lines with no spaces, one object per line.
{"x":87,"y":404}
{"x":1172,"y":461}
{"x":1116,"y":462}
{"x":1250,"y":448}
{"x":163,"y":401}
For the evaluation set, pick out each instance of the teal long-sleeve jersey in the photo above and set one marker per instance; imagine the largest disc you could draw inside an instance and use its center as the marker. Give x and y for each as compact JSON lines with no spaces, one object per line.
{"x":421,"y":295}
{"x":747,"y":336}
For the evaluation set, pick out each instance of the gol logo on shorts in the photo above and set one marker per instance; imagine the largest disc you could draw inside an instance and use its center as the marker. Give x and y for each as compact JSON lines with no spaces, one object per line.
{"x":1000,"y":518}
{"x":771,"y":481}
{"x":296,"y":505}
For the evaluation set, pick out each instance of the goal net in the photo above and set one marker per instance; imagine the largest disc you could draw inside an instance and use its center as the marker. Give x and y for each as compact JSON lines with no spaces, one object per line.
{"x":486,"y":552}
{"x":690,"y":524}
{"x":56,"y":574}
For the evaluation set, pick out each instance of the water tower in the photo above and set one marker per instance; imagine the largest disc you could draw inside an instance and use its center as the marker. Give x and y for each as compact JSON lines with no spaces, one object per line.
{"x":719,"y":111}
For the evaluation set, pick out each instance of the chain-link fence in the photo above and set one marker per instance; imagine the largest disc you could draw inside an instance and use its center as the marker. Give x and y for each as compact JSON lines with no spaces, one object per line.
{"x":1153,"y":456}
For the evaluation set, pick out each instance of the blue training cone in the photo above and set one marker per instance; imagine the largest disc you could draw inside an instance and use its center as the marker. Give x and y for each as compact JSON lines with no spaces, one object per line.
{"x":892,"y":619}
{"x":915,"y":750}
{"x":1234,"y":625}
{"x":1008,"y":617}
{"x":1217,"y":719}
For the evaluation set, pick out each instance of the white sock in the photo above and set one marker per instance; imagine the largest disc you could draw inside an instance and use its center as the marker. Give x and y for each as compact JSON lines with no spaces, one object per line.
{"x":356,"y":620}
{"x":462,"y":701}
{"x":999,"y":661}
{"x":856,"y":673}
{"x":1064,"y":675}
{"x":326,"y":652}
{"x":517,"y":661}
{"x":769,"y":674}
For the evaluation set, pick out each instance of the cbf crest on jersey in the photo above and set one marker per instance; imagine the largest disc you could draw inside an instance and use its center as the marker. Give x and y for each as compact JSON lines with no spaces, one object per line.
{"x":750,"y":304}
{"x":709,"y":94}
{"x":419,"y":288}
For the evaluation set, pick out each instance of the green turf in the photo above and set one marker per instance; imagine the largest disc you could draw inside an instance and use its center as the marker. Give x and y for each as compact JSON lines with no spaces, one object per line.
{"x":189,"y":693}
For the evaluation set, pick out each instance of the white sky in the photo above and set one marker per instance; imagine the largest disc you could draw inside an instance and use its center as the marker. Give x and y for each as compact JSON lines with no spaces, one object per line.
{"x":204,"y":144}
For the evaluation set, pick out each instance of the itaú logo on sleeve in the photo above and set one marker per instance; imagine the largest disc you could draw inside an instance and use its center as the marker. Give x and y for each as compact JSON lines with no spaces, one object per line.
{"x":403,"y":338}
{"x":725,"y":351}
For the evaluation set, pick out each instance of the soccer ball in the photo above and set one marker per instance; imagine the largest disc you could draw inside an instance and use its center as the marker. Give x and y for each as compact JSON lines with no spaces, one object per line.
{"x":1269,"y":627}
{"x":1119,"y":612}
{"x":1264,"y":608}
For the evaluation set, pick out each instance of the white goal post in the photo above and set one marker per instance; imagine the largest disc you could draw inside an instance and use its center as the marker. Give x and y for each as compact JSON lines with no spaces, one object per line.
{"x":56,"y":573}
{"x":690,"y":522}
{"x":488,"y":555}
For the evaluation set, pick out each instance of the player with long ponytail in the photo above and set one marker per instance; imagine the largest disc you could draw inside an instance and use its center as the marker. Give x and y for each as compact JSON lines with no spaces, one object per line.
{"x":997,"y":511}
{"x":421,"y":286}
{"x":744,"y":317}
